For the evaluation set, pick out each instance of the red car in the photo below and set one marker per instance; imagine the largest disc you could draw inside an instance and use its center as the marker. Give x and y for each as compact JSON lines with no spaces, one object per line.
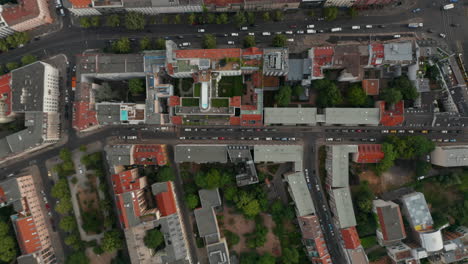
{"x":292,"y":26}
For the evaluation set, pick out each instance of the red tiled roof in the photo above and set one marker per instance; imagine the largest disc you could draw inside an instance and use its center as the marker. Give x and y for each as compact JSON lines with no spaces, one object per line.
{"x":251,"y":120}
{"x":80,"y":3}
{"x":166,"y":201}
{"x":248,"y":107}
{"x":234,"y":121}
{"x":28,"y":238}
{"x":371,"y":86}
{"x":322,"y":56}
{"x":176,"y":120}
{"x":393,"y":117}
{"x":174,"y":101}
{"x":350,"y":237}
{"x":126,"y":181}
{"x":152,"y":154}
{"x":83,"y":116}
{"x":271,"y":81}
{"x":5,"y":91}
{"x":208,"y":53}
{"x":369,"y":153}
{"x":221,"y":3}
{"x":17,"y":13}
{"x":235,"y":101}
{"x":257,"y":79}
{"x":253,"y":51}
{"x":377,"y":54}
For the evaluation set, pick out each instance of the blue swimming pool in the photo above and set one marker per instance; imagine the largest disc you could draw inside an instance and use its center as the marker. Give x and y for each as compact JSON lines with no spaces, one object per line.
{"x":124,"y":115}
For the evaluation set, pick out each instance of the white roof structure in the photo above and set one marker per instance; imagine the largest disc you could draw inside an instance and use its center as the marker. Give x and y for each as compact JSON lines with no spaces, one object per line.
{"x":450,"y":156}
{"x":431,"y":241}
{"x":300,"y":193}
{"x":352,"y":116}
{"x":290,"y":116}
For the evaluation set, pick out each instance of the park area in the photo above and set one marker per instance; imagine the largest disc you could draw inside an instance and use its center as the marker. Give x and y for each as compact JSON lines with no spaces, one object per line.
{"x":230,"y":86}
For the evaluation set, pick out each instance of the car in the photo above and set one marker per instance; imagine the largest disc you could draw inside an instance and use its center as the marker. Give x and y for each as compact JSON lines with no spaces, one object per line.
{"x":397,"y":36}
{"x":266,"y":33}
{"x":185,"y":44}
{"x":310,"y":26}
{"x":300,"y":32}
{"x":181,"y":138}
{"x":455,"y":25}
{"x":47,"y":206}
{"x":320,"y":19}
{"x":368,"y":26}
{"x":384,"y":131}
{"x":201,"y":30}
{"x":284,"y":139}
{"x":278,"y":33}
{"x":329,"y":139}
{"x":290,"y":40}
{"x":81,"y":171}
{"x":442,"y":35}
{"x":214,"y":138}
{"x":188,"y":129}
{"x":364,"y":139}
{"x":401,"y":131}
{"x":446,"y":140}
{"x":416,"y":10}
{"x":393,"y":131}
{"x":381,"y":26}
{"x":230,"y":42}
{"x":251,"y":34}
{"x":268,"y":138}
{"x":234,"y":34}
{"x":289,"y":32}
{"x":198,"y":36}
{"x":338,"y":139}
{"x":180,"y":37}
{"x":321,"y":31}
{"x":62,"y":12}
{"x":292,"y":139}
{"x":453,"y":140}
{"x":424,"y":131}
{"x":355,"y":27}
{"x":372,"y":139}
{"x":411,"y":131}
{"x":345,"y":130}
{"x":444,"y":131}
{"x":421,"y":178}
{"x":244,"y":28}
{"x":317,"y":187}
{"x":292,"y":26}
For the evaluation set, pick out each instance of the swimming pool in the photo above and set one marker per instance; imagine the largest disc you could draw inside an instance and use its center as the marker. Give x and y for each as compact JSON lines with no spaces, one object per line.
{"x":124,"y":115}
{"x":204,"y":95}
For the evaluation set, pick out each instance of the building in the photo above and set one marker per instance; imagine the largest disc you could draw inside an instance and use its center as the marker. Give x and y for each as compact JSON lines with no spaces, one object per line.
{"x":137,"y":154}
{"x":368,"y":153}
{"x":390,"y":228}
{"x":299,"y":192}
{"x":350,"y":238}
{"x":24,"y":16}
{"x":337,"y":165}
{"x":371,"y":86}
{"x":450,"y":156}
{"x":32,"y":90}
{"x":402,"y":253}
{"x":352,"y":116}
{"x":342,"y":207}
{"x":30,"y":222}
{"x":416,"y":211}
{"x":279,"y":153}
{"x":313,"y":240}
{"x":247,"y":174}
{"x":250,"y":5}
{"x":210,"y":198}
{"x":455,"y":245}
{"x":391,"y":116}
{"x":201,"y":153}
{"x":290,"y":116}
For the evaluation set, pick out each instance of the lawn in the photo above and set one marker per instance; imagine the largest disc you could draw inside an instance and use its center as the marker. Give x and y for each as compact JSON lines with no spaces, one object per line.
{"x":230,"y":86}
{"x":190,"y":102}
{"x":196,"y":90}
{"x":369,"y":241}
{"x":187,"y":84}
{"x":216,"y":102}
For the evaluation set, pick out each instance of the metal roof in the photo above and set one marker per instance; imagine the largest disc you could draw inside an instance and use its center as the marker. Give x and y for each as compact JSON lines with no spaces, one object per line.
{"x":201,"y":153}
{"x":118,"y":154}
{"x":108,"y":113}
{"x":128,"y":206}
{"x":290,"y":116}
{"x":279,"y":153}
{"x":31,"y":136}
{"x":300,"y":193}
{"x":27,"y":87}
{"x":352,"y":116}
{"x":344,"y":207}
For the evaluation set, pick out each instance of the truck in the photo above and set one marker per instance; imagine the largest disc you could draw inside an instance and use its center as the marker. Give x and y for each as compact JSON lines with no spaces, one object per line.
{"x":415,"y":25}
{"x":336,"y":29}
{"x":447,"y":7}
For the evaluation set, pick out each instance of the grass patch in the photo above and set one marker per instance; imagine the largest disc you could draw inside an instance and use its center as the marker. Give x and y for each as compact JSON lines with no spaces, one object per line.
{"x":190,"y":102}
{"x":187,"y":84}
{"x":369,"y":241}
{"x":230,"y":86}
{"x":197,"y":90}
{"x":220,"y":102}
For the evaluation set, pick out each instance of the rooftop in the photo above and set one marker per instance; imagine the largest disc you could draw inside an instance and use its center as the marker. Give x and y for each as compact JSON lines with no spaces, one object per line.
{"x":416,"y":210}
{"x":129,"y":209}
{"x":176,"y":247}
{"x":207,"y":53}
{"x":371,"y":86}
{"x":27,"y":234}
{"x":165,"y":198}
{"x":118,"y":154}
{"x":337,"y":164}
{"x":108,"y":113}
{"x":392,"y":117}
{"x":28,"y":87}
{"x":5,"y":93}
{"x":209,"y":198}
{"x":150,"y":154}
{"x":450,"y":156}
{"x":369,"y":153}
{"x":290,"y":116}
{"x":110,"y":63}
{"x":390,"y":220}
{"x":127,"y":181}
{"x":352,"y":116}
{"x":218,"y":253}
{"x":300,"y":193}
{"x":279,"y":153}
{"x":350,"y":237}
{"x":207,"y":224}
{"x":200,"y":153}
{"x":398,"y":51}
{"x":344,"y":207}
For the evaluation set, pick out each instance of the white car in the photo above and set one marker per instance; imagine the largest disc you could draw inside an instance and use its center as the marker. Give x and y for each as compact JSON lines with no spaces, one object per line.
{"x":300,"y":32}
{"x":251,"y":34}
{"x":442,"y":35}
{"x":266,"y":33}
{"x":290,"y":40}
{"x":185,"y":44}
{"x":289,"y":32}
{"x":396,"y":36}
{"x":310,"y":26}
{"x":230,"y":42}
{"x":201,"y":30}
{"x":244,"y":28}
{"x":368,"y":26}
{"x":329,"y":139}
{"x":235,"y":34}
{"x":355,"y":27}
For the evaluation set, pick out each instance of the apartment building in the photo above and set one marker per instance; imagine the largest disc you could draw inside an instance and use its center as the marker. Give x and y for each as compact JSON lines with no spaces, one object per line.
{"x":363,"y":4}
{"x":24,"y":16}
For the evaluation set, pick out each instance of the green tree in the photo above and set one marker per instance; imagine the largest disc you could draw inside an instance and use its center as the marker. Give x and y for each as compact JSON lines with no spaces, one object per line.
{"x":154,"y":239}
{"x":60,"y":190}
{"x":290,"y":256}
{"x":192,"y":201}
{"x":267,"y":258}
{"x":210,"y":18}
{"x":279,"y":41}
{"x":353,"y":12}
{"x":278,"y":15}
{"x":112,"y":241}
{"x":209,"y":41}
{"x":113,"y":20}
{"x":389,"y":157}
{"x":136,"y":86}
{"x":251,"y":18}
{"x":85,"y":22}
{"x":95,"y":21}
{"x":135,"y":21}
{"x":98,"y":250}
{"x":165,"y":19}
{"x":68,"y":223}
{"x":298,"y":90}
{"x":145,"y":43}
{"x":17,"y":39}
{"x":222,"y":19}
{"x":28,"y":59}
{"x":4,"y":229}
{"x":7,"y":248}
{"x":64,"y":207}
{"x":231,"y":238}
{"x":83,"y":148}
{"x":406,"y":87}
{"x":12,"y":65}
{"x":328,"y":94}
{"x":422,"y":168}
{"x":283,"y":96}
{"x":249,"y":41}
{"x":239,"y":19}
{"x":391,"y":96}
{"x":432,"y":72}
{"x":356,"y":95}
{"x":77,"y":258}
{"x":266,"y":16}
{"x":160,"y":44}
{"x":4,"y":45}
{"x":121,"y":46}
{"x":420,"y":145}
{"x":311,"y":13}
{"x":330,"y":13}
{"x":209,"y":180}
{"x":191,"y":19}
{"x":165,"y":174}
{"x":65,"y":154}
{"x":251,"y":209}
{"x":73,"y":240}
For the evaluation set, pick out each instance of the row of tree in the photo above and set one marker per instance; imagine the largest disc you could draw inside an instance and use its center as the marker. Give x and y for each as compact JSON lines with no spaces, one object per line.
{"x":14,"y":41}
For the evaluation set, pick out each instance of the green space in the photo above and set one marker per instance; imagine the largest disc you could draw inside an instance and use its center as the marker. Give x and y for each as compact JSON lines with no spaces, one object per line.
{"x":362,"y":201}
{"x":230,"y":86}
{"x":220,"y":102}
{"x":8,"y":247}
{"x":369,"y":241}
{"x":187,"y":84}
{"x":197,"y":90}
{"x":188,"y":101}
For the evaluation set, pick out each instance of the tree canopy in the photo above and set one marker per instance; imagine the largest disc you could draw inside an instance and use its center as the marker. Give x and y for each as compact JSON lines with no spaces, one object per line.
{"x":249,"y":41}
{"x":356,"y":95}
{"x":154,"y":239}
{"x":113,"y":20}
{"x":112,"y":241}
{"x":298,"y":90}
{"x":192,"y":201}
{"x":165,"y":174}
{"x":212,"y":179}
{"x":283,"y":96}
{"x":279,"y":41}
{"x":7,"y":244}
{"x":391,"y":96}
{"x":209,"y":41}
{"x":145,"y":43}
{"x":405,"y":86}
{"x":68,"y":223}
{"x":240,"y":19}
{"x":60,"y":189}
{"x":136,"y":86}
{"x":77,"y":258}
{"x":135,"y":21}
{"x":330,"y":13}
{"x":28,"y":59}
{"x":328,"y":94}
{"x":121,"y":46}
{"x":266,"y":16}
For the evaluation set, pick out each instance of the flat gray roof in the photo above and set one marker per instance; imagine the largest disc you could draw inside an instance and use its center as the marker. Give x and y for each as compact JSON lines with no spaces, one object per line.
{"x":127,"y":199}
{"x":450,"y":156}
{"x":290,"y":115}
{"x":11,"y":190}
{"x":108,"y":113}
{"x":27,"y":89}
{"x":398,"y":51}
{"x":344,"y":207}
{"x":176,"y":247}
{"x":300,"y":193}
{"x":390,"y":215}
{"x":279,"y":153}
{"x":209,"y":198}
{"x":118,"y":154}
{"x":201,"y":153}
{"x":218,"y":253}
{"x":337,"y":164}
{"x":159,"y":187}
{"x":31,"y":136}
{"x":352,"y":116}
{"x":207,"y":224}
{"x":110,"y":63}
{"x":4,"y":148}
{"x":415,"y":206}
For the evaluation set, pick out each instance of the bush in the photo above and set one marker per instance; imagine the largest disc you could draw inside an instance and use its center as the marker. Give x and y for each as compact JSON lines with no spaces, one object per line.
{"x":231,"y":238}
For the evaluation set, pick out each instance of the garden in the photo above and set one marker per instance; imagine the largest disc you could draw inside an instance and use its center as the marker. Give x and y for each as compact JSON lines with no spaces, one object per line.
{"x":230,"y":86}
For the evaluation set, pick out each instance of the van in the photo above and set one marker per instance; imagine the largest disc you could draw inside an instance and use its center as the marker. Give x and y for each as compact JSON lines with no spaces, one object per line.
{"x":266,"y":33}
{"x":311,"y":31}
{"x":355,"y":27}
{"x":201,"y":30}
{"x":336,"y":29}
{"x":186,"y":44}
{"x":310,"y":26}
